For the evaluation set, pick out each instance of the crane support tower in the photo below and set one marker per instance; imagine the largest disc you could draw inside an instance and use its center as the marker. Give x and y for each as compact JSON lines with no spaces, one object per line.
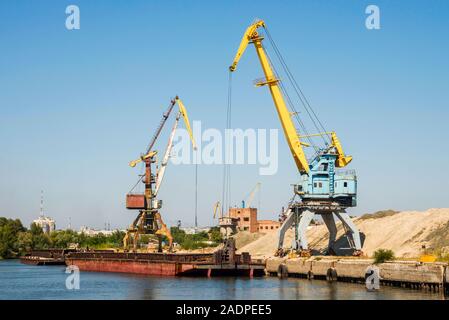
{"x":149,"y":220}
{"x":322,"y":189}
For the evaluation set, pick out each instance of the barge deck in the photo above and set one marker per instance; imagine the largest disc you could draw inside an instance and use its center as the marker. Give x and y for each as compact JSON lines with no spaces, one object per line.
{"x":168,"y":264}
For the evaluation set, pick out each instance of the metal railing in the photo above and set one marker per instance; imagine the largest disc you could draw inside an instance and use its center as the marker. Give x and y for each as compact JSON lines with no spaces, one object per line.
{"x":346,"y":172}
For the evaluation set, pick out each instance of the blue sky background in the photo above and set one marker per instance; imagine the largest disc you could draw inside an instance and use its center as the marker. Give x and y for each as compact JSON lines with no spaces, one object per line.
{"x":77,"y":106}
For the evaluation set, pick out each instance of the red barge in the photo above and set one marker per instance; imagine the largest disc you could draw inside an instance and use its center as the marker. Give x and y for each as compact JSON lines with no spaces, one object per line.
{"x":46,"y":257}
{"x":220,"y":263}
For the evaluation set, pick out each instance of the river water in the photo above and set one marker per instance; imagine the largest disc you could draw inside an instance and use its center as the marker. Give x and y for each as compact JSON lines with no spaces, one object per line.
{"x":19,"y":281}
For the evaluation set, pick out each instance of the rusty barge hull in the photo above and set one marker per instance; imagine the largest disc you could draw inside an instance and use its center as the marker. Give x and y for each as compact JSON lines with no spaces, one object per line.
{"x":136,"y":267}
{"x":165,"y":264}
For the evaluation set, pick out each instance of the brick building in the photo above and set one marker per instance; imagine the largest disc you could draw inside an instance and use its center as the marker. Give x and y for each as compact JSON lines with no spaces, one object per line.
{"x":267,"y":225}
{"x":247,"y":220}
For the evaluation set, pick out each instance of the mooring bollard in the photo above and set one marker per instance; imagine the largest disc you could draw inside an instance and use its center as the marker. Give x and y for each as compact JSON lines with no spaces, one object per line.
{"x":282,"y":271}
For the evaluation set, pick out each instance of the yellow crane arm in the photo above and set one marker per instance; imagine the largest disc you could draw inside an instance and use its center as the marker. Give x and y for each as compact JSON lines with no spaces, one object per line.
{"x":251,"y":36}
{"x":185,"y":117}
{"x":250,"y":198}
{"x":217,"y":207}
{"x":142,"y":158}
{"x":342,"y":159}
{"x":183,"y":111}
{"x":250,"y":32}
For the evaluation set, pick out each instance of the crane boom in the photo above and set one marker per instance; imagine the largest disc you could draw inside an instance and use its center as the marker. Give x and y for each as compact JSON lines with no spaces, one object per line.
{"x":252,"y":36}
{"x":183,"y":112}
{"x":161,"y":171}
{"x":253,"y":192}
{"x":217,"y":208}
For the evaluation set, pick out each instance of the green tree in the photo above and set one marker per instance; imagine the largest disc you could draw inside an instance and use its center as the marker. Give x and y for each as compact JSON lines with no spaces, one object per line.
{"x":9,"y":230}
{"x":178,"y":235}
{"x":24,"y":242}
{"x":383,"y":255}
{"x":63,"y":238}
{"x":215,"y":235}
{"x":39,"y":240}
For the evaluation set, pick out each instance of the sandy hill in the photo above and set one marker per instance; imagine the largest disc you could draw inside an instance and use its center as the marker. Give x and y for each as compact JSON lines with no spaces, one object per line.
{"x":403,"y":232}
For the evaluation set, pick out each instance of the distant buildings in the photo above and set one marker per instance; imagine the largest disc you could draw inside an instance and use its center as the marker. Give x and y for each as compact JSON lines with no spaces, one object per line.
{"x":194,"y":230}
{"x":46,"y":223}
{"x":92,"y":232}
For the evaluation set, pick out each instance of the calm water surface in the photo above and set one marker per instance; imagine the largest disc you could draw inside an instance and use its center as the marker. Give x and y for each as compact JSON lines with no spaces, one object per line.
{"x":19,"y":281}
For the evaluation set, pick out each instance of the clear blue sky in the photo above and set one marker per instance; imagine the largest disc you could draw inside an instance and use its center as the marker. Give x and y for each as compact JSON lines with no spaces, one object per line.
{"x":77,"y":106}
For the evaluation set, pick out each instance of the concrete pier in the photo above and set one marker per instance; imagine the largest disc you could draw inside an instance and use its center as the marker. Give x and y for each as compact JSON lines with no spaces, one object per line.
{"x":408,"y":274}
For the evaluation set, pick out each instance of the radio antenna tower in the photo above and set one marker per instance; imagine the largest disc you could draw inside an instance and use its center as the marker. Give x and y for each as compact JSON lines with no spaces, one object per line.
{"x":42,"y":203}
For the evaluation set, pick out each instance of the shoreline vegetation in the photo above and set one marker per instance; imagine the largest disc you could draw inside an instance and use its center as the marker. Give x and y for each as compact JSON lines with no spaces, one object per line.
{"x":16,"y":240}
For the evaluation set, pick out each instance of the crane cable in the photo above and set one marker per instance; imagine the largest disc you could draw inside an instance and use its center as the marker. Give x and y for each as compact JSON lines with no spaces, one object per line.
{"x":295,"y":85}
{"x":291,"y":104}
{"x":226,"y":191}
{"x":304,"y":101}
{"x":196,"y":194}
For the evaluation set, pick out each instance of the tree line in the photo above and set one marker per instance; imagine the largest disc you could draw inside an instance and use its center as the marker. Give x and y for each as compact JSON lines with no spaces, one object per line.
{"x":15,"y":239}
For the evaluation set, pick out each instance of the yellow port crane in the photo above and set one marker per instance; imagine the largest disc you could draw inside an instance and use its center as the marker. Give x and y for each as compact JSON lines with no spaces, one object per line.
{"x":149,"y":220}
{"x":322,"y":190}
{"x":249,"y":200}
{"x":218,"y":209}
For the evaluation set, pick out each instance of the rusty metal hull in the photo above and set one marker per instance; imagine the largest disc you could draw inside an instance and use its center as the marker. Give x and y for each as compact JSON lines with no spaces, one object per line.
{"x":129,"y":266}
{"x":161,"y":264}
{"x":39,"y":261}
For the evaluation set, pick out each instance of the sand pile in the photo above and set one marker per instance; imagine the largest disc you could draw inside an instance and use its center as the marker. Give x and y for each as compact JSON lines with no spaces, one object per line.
{"x":404,"y":232}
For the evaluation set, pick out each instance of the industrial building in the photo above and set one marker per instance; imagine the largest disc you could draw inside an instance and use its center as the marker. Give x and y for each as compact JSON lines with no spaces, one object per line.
{"x":246,"y":219}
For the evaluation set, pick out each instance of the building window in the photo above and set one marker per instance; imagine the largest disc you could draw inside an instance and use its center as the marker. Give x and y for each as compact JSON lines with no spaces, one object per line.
{"x":271,"y":227}
{"x":345,"y":184}
{"x":314,"y":184}
{"x":335,"y":184}
{"x":266,"y":227}
{"x":277,"y":227}
{"x":245,"y":228}
{"x":320,"y":185}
